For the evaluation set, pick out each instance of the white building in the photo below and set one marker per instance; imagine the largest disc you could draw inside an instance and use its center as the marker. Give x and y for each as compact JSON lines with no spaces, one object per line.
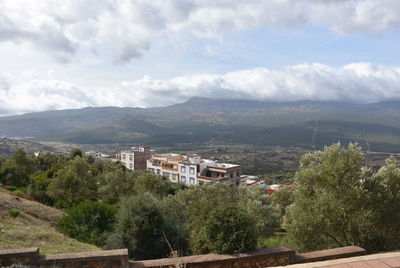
{"x":192,"y":169}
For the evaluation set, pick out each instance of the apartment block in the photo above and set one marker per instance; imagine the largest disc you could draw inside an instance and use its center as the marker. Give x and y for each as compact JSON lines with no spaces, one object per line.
{"x":220,"y":172}
{"x":192,"y":169}
{"x":136,"y":158}
{"x":166,"y":165}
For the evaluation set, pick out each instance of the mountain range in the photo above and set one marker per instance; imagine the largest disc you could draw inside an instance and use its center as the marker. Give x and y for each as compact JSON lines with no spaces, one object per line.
{"x":309,"y":124}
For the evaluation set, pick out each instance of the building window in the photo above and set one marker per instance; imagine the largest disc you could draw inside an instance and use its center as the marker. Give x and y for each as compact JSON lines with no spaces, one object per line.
{"x":158,"y":171}
{"x":191,"y":170}
{"x":238,"y":173}
{"x":130,"y":166}
{"x":192,"y":181}
{"x":165,"y":174}
{"x":124,"y":156}
{"x":231,"y":175}
{"x":151,"y":169}
{"x":130,"y":157}
{"x":183,"y":169}
{"x":183,"y":179}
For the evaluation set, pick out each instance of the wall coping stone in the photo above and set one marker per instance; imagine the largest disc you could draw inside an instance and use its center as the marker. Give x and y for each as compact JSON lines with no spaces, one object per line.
{"x":329,"y":254}
{"x":84,"y":256}
{"x":209,"y":258}
{"x":18,"y":252}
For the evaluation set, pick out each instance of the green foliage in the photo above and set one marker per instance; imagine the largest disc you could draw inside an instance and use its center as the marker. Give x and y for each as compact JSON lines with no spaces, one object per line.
{"x":73,"y":183}
{"x":17,"y":169}
{"x":13,"y":212}
{"x":141,"y":227}
{"x":89,"y":222}
{"x":21,"y":192}
{"x":46,"y":162}
{"x":11,"y":188}
{"x":222,"y":218}
{"x":282,"y":199}
{"x":39,"y":184}
{"x":76,"y":152}
{"x":154,"y":184}
{"x":336,"y":201}
{"x":384,"y":200}
{"x":116,"y":182}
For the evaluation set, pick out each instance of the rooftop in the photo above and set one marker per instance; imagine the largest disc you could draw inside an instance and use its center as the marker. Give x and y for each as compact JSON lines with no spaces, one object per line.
{"x":223,"y":165}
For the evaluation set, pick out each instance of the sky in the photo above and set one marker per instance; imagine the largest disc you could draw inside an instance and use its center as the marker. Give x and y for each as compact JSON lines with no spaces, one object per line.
{"x":63,"y":54}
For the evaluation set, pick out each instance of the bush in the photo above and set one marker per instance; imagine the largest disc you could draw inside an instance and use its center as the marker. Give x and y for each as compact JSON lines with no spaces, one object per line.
{"x":13,"y":212}
{"x":89,"y":222}
{"x":21,"y":192}
{"x":11,"y":188}
{"x":222,"y":218}
{"x":141,"y":227}
{"x":73,"y":183}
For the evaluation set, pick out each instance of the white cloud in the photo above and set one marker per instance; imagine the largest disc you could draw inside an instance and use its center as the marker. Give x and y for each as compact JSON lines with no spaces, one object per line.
{"x":128,"y":26}
{"x":356,"y":82}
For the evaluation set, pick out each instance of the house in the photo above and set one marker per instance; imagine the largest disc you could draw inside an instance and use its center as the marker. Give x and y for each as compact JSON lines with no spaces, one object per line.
{"x":95,"y":154}
{"x":136,"y":158}
{"x":219,"y":172}
{"x":192,"y":169}
{"x":189,"y":168}
{"x":166,"y":165}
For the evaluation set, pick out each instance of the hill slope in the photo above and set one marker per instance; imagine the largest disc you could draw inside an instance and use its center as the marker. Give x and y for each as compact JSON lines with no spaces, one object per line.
{"x":200,"y":120}
{"x":34,"y":227}
{"x":8,"y":146}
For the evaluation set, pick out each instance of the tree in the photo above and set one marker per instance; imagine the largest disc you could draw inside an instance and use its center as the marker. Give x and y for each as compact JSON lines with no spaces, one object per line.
{"x":222,"y":218}
{"x":76,"y":152}
{"x":155,"y":184}
{"x":73,"y":183}
{"x":330,"y":207}
{"x":282,"y":199}
{"x":89,"y":222}
{"x":16,"y":170}
{"x":116,"y":184}
{"x":141,"y":227}
{"x":384,"y":199}
{"x":45,"y":162}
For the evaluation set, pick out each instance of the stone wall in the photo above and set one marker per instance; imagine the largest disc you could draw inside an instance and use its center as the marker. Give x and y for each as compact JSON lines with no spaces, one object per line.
{"x":275,"y":256}
{"x":265,"y":257}
{"x":24,"y":256}
{"x":31,"y":258}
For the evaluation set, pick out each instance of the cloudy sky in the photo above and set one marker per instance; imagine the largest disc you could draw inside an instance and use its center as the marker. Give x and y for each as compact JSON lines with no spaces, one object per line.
{"x":58,"y":54}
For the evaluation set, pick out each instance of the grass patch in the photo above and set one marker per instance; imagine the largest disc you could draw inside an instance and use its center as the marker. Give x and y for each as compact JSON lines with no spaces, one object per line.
{"x":22,"y":233}
{"x":13,"y":213}
{"x":279,"y":239}
{"x":25,"y":223}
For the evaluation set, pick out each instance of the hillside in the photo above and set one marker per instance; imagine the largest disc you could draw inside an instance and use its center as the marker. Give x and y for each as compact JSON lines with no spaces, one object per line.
{"x":33,"y":227}
{"x":306,"y":124}
{"x":8,"y":146}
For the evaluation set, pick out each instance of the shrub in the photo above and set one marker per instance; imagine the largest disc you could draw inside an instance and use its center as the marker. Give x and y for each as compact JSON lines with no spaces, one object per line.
{"x":89,"y":222}
{"x":141,"y":227}
{"x":11,"y":188}
{"x":221,"y":218}
{"x":13,"y":212}
{"x":21,"y":192}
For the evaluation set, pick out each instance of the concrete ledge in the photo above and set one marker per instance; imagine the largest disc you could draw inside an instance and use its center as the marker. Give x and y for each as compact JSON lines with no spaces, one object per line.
{"x":18,"y":252}
{"x":329,"y":254}
{"x":20,"y":256}
{"x":84,"y":256}
{"x":209,"y":259}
